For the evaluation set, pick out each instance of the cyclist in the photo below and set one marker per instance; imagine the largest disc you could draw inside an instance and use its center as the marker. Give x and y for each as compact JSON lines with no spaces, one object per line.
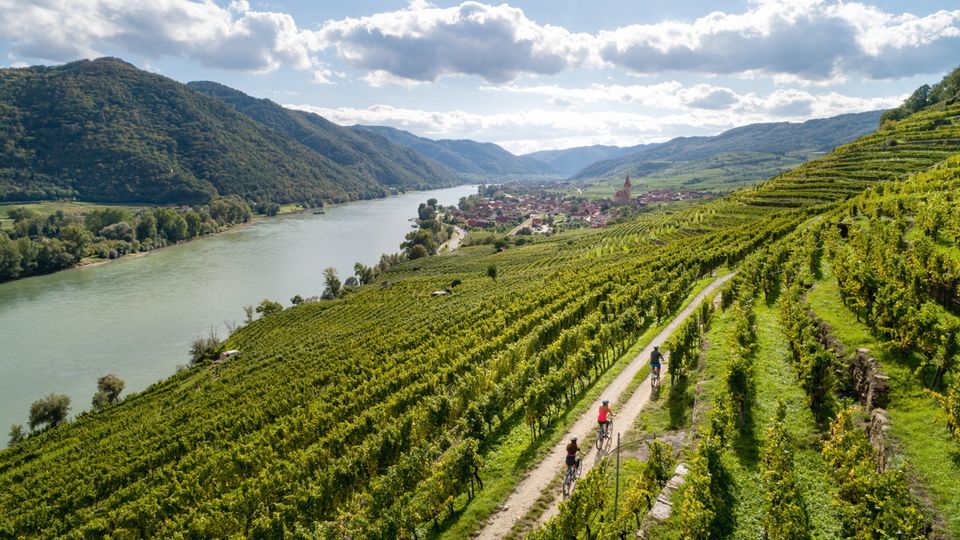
{"x":573,"y":451}
{"x":655,"y":358}
{"x":603,"y":418}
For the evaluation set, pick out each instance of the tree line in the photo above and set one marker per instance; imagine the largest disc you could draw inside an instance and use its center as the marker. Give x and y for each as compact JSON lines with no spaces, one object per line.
{"x":40,"y":244}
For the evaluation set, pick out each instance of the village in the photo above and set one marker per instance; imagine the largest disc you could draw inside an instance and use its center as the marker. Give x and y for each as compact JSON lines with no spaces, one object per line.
{"x":541,"y":209}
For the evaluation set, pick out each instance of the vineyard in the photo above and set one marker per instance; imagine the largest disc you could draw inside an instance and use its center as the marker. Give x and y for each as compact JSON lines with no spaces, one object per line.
{"x":371,"y":416}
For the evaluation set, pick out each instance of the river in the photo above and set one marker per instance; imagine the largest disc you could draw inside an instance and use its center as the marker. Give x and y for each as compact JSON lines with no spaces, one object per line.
{"x":137,"y":316}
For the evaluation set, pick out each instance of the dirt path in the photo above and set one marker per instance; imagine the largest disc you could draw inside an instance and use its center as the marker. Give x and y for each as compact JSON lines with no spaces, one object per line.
{"x":533,"y":485}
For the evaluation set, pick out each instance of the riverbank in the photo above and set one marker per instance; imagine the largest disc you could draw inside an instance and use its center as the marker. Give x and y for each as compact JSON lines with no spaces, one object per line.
{"x":137,"y":318}
{"x":75,"y":209}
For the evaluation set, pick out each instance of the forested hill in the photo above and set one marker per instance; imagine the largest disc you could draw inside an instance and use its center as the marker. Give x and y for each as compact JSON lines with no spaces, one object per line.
{"x":813,"y":136}
{"x":365,"y":154}
{"x":465,"y":156}
{"x":374,"y":415}
{"x":103,"y":130}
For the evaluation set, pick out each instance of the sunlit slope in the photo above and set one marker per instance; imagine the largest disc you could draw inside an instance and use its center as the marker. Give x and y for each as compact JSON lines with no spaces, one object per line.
{"x":363,"y":416}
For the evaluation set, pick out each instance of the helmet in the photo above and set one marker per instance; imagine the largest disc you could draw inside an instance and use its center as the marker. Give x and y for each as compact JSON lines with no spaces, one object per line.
{"x":606,"y":402}
{"x":573,"y":439}
{"x":655,"y":347}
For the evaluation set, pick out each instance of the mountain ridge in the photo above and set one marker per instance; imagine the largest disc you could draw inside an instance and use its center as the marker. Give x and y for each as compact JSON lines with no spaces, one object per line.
{"x":105,"y":131}
{"x":818,"y":135}
{"x":464,"y":156}
{"x":368,"y":155}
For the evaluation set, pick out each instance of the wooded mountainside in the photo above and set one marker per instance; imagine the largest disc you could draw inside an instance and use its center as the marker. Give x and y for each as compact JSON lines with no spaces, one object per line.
{"x":818,"y":135}
{"x":103,"y":130}
{"x":464,"y":156}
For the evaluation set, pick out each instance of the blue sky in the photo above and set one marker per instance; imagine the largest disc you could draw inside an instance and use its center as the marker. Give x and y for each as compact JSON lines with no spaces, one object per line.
{"x":528,"y":75}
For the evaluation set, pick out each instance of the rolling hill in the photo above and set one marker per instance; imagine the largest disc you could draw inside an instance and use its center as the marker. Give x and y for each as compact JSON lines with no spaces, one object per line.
{"x":466,"y":157}
{"x":106,"y":131}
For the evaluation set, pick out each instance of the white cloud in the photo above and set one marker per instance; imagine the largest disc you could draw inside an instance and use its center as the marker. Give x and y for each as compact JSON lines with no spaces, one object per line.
{"x":788,"y":104}
{"x":380,"y":78}
{"x":422,"y":42}
{"x":812,"y":40}
{"x":794,"y":41}
{"x":232,"y":38}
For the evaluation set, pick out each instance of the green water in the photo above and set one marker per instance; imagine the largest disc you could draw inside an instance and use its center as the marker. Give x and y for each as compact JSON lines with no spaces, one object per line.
{"x":136,"y":317}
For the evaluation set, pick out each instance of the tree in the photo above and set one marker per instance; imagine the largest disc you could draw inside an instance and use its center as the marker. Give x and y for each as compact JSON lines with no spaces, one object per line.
{"x":99,"y":401}
{"x":296,"y":300}
{"x":194,"y":224}
{"x":98,"y":219}
{"x":171,"y":225}
{"x":17,"y":435}
{"x":365,"y":274}
{"x":111,"y":385}
{"x":77,"y":238}
{"x":492,"y":271}
{"x":418,"y":251}
{"x":147,"y":226}
{"x":269,"y":307}
{"x":333,"y":288}
{"x":9,"y":258}
{"x":205,"y":347}
{"x":51,"y":410}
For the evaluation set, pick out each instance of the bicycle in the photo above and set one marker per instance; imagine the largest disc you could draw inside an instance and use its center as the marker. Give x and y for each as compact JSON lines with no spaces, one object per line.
{"x":655,"y":379}
{"x":603,"y":434}
{"x":570,"y":477}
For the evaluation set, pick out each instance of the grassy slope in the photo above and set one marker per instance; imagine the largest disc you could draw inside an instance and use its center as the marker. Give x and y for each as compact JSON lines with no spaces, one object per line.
{"x":932,"y":459}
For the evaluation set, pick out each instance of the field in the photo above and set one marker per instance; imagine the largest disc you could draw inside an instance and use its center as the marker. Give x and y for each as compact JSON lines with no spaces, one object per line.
{"x":46,"y":208}
{"x":392,"y":413}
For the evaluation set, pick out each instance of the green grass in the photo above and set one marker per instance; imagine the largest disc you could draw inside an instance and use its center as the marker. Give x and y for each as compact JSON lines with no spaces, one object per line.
{"x":931,"y":458}
{"x":510,"y":453}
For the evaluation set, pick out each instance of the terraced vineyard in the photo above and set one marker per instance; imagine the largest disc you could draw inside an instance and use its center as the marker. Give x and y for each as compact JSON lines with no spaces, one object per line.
{"x":371,"y":416}
{"x":828,"y":394}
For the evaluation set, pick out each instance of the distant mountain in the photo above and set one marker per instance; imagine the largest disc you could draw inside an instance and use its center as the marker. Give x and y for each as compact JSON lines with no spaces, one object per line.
{"x":464,"y":156}
{"x":569,"y":161}
{"x":810,"y":137}
{"x":365,"y":154}
{"x":104,"y":130}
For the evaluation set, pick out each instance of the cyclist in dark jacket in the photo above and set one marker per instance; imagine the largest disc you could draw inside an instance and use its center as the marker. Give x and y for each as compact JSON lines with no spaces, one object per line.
{"x":655,"y":358}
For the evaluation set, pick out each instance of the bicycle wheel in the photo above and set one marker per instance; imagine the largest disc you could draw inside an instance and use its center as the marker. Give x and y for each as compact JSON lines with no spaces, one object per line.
{"x":600,"y":436}
{"x":567,"y":483}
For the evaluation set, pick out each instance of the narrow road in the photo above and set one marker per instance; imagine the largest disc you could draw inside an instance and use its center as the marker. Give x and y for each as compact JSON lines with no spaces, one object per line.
{"x":526,"y":223}
{"x":453,"y":243}
{"x":529,"y":489}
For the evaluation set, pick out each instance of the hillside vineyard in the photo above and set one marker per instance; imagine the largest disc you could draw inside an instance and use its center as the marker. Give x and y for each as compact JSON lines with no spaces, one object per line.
{"x":369,"y":416}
